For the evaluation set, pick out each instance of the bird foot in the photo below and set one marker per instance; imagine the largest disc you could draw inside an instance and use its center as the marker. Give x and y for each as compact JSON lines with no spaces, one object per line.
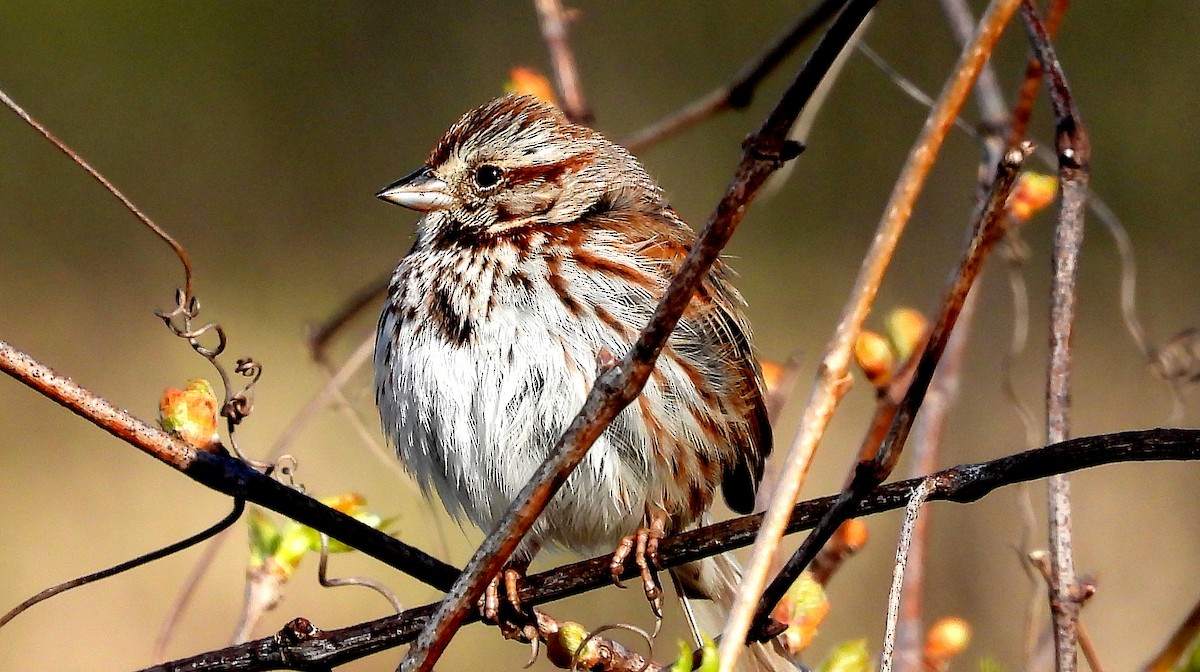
{"x":643,"y":544}
{"x":509,"y":614}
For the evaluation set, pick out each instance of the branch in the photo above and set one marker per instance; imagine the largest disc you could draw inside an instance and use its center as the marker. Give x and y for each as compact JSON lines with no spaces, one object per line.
{"x":553,"y":20}
{"x":763,"y":153}
{"x":832,"y":379}
{"x":223,"y":473}
{"x":1074,"y":155}
{"x":961,"y":484}
{"x":739,"y":93}
{"x":872,"y":470}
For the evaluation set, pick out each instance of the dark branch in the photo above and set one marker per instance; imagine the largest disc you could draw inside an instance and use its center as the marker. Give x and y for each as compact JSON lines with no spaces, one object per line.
{"x":223,"y":473}
{"x":962,"y":484}
{"x":738,"y":93}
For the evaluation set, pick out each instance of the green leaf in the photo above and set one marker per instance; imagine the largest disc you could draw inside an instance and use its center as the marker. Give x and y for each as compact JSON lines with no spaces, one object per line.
{"x":852,"y":656}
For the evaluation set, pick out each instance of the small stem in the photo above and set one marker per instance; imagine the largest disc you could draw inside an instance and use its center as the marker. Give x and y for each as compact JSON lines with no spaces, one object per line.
{"x":893,"y":603}
{"x":553,"y":20}
{"x":740,"y":92}
{"x":1074,"y":156}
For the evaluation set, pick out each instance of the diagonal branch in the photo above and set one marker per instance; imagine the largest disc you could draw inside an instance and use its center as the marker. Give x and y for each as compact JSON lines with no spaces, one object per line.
{"x":223,"y":473}
{"x":961,"y":484}
{"x":832,"y":379}
{"x":763,"y":153}
{"x":740,"y":92}
{"x":872,"y":470}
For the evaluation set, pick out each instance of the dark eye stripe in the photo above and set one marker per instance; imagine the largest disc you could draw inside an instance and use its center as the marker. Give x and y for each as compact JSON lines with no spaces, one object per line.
{"x":547,"y":172}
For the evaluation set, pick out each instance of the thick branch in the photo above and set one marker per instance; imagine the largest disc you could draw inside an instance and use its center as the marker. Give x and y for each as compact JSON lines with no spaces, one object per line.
{"x":223,"y":473}
{"x":962,"y":484}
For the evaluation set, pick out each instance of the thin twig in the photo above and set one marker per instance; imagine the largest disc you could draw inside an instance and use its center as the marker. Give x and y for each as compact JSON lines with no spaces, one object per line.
{"x":363,"y":298}
{"x":943,"y":392}
{"x":1042,"y":564}
{"x":1023,"y":110}
{"x":110,"y":187}
{"x":739,"y":93}
{"x":962,"y":484}
{"x":871,"y":471}
{"x":1074,"y":156}
{"x":223,"y":473}
{"x":553,"y":20}
{"x":833,"y":378}
{"x":987,"y":89}
{"x":927,"y":440}
{"x":239,"y":506}
{"x":763,"y":153}
{"x":893,"y":602}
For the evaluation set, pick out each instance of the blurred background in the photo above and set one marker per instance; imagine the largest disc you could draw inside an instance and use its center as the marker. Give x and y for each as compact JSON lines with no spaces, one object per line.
{"x":258,"y":133}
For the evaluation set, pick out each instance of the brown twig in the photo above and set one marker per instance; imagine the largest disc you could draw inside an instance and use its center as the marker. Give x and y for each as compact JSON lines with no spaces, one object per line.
{"x":870,"y":472}
{"x":987,"y":89}
{"x":1023,"y":110}
{"x":223,"y":473}
{"x":763,"y":153}
{"x":962,"y":484}
{"x":321,"y":334}
{"x":832,"y":379}
{"x":553,"y":19}
{"x":1175,"y":647}
{"x":740,"y":92}
{"x":110,"y":187}
{"x":1042,"y":564}
{"x":1074,"y":155}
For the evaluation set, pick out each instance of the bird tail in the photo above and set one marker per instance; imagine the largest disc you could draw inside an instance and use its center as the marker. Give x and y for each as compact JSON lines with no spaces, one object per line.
{"x":718,"y":579}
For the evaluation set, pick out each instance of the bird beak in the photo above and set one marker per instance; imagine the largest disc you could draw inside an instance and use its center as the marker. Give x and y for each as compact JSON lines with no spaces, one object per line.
{"x":420,"y":190}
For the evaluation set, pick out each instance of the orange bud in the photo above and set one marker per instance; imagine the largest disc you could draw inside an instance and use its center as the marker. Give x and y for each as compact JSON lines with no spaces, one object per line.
{"x":852,"y":535}
{"x":530,"y":82}
{"x":874,"y":357}
{"x":905,"y":329}
{"x":1033,"y":192}
{"x":191,"y":414}
{"x":772,"y":372}
{"x":946,"y":638}
{"x":348,"y":503}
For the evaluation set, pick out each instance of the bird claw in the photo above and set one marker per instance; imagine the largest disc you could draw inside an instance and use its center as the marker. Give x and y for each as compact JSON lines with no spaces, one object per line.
{"x":489,"y":603}
{"x":643,"y":545}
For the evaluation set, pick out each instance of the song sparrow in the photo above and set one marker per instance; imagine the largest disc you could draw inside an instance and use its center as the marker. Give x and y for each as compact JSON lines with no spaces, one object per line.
{"x":542,"y":246}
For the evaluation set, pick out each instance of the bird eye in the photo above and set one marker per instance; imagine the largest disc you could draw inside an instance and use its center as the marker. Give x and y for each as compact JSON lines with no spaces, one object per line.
{"x":487,"y":176}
